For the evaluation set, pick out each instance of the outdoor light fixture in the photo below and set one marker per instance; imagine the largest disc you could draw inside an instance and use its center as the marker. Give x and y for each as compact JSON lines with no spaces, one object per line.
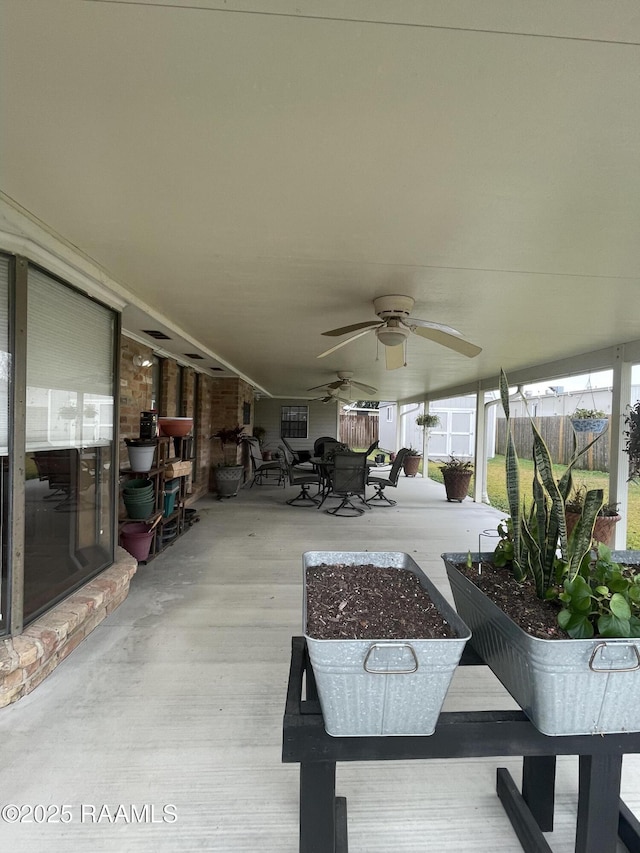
{"x":142,"y":361}
{"x":392,"y":334}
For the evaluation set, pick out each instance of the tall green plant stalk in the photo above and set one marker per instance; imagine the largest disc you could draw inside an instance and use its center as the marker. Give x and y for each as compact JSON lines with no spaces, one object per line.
{"x":541,"y":550}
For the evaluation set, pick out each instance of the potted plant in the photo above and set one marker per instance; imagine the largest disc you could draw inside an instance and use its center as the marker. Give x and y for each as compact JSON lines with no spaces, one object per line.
{"x":632,"y":436}
{"x":457,"y":474}
{"x":228,"y":474}
{"x":383,"y":642}
{"x":428,"y":421}
{"x":589,"y":420}
{"x":555,"y":621}
{"x":411,"y":464}
{"x":606,"y":520}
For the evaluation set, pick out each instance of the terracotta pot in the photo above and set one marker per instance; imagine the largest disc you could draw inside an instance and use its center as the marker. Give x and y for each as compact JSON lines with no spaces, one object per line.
{"x":411,"y":465}
{"x":456,"y":484}
{"x":603,"y":531}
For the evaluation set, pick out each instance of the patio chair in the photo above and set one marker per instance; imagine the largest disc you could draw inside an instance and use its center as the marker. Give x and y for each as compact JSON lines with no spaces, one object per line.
{"x":258,"y":465}
{"x":319,"y":444}
{"x":299,"y":457}
{"x":381,"y":483}
{"x":371,"y":448}
{"x":348,"y":480}
{"x":304,"y":479}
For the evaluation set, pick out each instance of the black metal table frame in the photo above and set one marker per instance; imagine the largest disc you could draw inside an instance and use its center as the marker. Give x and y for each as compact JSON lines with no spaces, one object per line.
{"x":602,"y":816}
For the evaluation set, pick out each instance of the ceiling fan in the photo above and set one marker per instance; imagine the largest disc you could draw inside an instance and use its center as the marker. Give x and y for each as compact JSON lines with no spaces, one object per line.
{"x":344,"y":385}
{"x":332,"y":396}
{"x":394,"y":327}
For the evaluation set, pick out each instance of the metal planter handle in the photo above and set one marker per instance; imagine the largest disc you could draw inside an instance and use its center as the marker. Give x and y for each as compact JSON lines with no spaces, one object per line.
{"x":373,"y":648}
{"x":601,"y":646}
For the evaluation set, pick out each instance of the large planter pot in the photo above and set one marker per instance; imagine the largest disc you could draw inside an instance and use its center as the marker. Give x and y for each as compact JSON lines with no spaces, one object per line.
{"x":456,"y":484}
{"x":604,"y":528}
{"x":564,"y":686}
{"x":382,"y":686}
{"x":136,"y":539}
{"x":595,"y":425}
{"x":411,"y":465}
{"x":141,"y":453}
{"x":228,"y":479}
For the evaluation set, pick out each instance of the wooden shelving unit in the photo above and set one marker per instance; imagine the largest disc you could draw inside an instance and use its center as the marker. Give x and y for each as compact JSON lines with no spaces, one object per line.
{"x":169,"y":451}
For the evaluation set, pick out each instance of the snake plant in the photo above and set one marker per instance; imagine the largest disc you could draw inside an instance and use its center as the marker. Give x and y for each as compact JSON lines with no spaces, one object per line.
{"x":541,"y":549}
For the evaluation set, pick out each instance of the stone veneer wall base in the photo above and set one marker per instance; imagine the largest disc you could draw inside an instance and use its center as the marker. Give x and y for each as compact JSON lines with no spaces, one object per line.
{"x":27,"y":659}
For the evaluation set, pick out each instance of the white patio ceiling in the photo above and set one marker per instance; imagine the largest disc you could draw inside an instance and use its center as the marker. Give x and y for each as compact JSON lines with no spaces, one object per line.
{"x":255,"y":173}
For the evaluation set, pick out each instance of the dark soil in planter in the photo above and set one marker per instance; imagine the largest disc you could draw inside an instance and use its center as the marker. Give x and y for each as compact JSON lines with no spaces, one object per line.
{"x":370,"y":603}
{"x":519,"y":601}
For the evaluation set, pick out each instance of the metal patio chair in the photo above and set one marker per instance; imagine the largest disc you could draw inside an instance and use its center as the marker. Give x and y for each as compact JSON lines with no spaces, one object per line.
{"x":299,"y":457}
{"x":259,"y":466}
{"x":348,"y":480}
{"x":304,"y":479}
{"x":381,"y":483}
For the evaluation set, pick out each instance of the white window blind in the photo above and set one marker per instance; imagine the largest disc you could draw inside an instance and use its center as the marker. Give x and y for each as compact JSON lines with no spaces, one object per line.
{"x":69,"y":361}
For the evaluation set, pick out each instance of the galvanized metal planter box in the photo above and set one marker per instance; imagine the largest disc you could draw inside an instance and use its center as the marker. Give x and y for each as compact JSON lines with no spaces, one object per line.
{"x":566,"y":687}
{"x":383,"y":687}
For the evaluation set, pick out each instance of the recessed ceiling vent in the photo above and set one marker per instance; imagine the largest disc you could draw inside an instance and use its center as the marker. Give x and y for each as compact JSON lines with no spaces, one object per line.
{"x":193,"y":355}
{"x":216,"y":368}
{"x":154,"y":333}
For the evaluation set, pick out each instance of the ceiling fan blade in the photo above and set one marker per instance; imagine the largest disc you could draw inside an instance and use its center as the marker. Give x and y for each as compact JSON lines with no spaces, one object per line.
{"x":427,"y":324}
{"x":344,"y":330}
{"x":326,"y":385}
{"x":368,"y":389}
{"x":344,"y":343}
{"x":451,"y":341}
{"x":394,"y":357}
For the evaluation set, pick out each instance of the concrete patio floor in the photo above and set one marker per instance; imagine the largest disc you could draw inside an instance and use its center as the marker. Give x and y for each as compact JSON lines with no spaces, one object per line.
{"x":176,"y":702}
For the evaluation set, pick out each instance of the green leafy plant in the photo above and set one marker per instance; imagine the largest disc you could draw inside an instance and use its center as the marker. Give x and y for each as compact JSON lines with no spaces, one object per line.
{"x":536,"y":546}
{"x":230,"y":438}
{"x":632,"y":438}
{"x":455,"y":464}
{"x":230,"y":435}
{"x":428,"y":420}
{"x":587,"y":414}
{"x":602,"y":596}
{"x":411,"y":451}
{"x":503,"y":554}
{"x":575,"y":503}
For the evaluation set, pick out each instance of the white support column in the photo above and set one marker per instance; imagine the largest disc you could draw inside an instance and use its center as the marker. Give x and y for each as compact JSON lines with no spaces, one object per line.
{"x":618,"y":460}
{"x":425,"y":443}
{"x":480,"y":451}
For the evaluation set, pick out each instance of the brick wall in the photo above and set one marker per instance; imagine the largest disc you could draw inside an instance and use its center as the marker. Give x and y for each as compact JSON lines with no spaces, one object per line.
{"x":135,"y":392}
{"x":227,"y":398}
{"x":27,"y":659}
{"x":220,"y":404}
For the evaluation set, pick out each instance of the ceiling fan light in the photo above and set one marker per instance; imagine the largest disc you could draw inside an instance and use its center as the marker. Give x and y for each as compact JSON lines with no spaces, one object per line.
{"x":392,"y":336}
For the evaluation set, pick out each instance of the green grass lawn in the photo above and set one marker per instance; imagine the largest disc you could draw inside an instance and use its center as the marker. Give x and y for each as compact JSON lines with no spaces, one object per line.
{"x":496,"y":489}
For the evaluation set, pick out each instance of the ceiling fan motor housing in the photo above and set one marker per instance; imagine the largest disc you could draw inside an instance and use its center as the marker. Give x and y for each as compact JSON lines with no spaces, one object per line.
{"x":393,"y":306}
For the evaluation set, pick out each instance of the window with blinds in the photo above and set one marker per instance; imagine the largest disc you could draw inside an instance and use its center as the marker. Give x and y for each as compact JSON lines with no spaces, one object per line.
{"x":69,"y":367}
{"x":69,"y":484}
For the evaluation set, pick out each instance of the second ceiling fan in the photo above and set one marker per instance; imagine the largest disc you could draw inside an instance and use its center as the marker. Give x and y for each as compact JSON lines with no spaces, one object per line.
{"x":343,"y":387}
{"x":393,"y":327}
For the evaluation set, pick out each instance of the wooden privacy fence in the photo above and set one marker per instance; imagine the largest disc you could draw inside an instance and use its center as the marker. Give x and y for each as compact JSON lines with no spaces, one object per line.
{"x":557,"y":433}
{"x":358,"y":430}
